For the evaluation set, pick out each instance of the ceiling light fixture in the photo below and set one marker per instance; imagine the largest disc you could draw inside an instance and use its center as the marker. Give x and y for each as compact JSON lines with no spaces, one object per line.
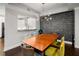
{"x":43,"y":10}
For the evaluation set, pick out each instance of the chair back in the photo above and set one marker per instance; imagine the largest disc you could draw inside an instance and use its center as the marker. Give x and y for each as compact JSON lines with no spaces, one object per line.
{"x":59,"y":51}
{"x":62,"y":47}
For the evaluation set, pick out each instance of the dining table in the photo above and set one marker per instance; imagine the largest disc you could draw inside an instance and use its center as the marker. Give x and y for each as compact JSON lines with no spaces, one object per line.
{"x":41,"y":41}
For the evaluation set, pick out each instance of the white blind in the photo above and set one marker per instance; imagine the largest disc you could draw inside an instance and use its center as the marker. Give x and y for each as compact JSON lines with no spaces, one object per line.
{"x":26,"y":23}
{"x":32,"y":23}
{"x":21,"y":24}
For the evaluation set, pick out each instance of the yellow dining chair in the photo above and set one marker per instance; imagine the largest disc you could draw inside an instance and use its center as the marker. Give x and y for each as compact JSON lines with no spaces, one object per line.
{"x":61,"y":51}
{"x":56,"y":51}
{"x":56,"y":42}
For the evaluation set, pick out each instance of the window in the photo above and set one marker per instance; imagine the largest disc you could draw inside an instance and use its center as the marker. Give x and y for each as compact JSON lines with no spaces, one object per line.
{"x":32,"y":23}
{"x":26,"y":23}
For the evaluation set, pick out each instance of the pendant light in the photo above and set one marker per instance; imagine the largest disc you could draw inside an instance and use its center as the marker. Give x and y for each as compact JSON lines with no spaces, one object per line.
{"x":43,"y":10}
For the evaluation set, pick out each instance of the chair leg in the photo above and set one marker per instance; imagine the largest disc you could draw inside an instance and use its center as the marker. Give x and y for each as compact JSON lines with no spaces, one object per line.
{"x":43,"y":54}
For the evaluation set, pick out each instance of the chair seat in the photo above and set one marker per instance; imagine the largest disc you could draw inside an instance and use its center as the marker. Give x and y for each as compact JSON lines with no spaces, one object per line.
{"x":50,"y":51}
{"x":56,"y":43}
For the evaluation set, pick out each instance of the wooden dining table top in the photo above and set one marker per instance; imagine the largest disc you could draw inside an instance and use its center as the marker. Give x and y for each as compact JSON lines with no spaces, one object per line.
{"x":41,"y":41}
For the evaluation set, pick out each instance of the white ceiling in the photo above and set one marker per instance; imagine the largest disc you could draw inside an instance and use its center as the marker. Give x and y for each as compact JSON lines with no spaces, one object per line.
{"x":38,"y":7}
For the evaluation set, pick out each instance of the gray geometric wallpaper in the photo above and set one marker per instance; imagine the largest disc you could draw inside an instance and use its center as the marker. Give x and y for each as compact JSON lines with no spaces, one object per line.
{"x":60,"y":23}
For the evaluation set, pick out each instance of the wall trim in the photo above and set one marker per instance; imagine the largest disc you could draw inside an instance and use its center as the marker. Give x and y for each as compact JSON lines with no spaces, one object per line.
{"x":14,"y":46}
{"x":67,"y":42}
{"x":76,"y":46}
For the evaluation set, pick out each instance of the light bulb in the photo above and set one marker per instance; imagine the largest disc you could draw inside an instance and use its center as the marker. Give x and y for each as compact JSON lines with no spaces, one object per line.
{"x":50,"y":18}
{"x":47,"y":19}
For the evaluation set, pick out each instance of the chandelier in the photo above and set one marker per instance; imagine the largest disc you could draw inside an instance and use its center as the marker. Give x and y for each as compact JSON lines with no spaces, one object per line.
{"x":47,"y":17}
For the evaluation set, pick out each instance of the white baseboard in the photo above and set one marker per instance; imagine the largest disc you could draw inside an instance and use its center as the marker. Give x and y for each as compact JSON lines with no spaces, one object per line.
{"x":66,"y":42}
{"x":14,"y":46}
{"x":76,"y":46}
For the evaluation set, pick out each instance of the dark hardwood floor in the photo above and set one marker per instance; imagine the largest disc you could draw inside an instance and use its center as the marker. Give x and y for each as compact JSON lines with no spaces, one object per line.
{"x":69,"y":51}
{"x":1,"y":46}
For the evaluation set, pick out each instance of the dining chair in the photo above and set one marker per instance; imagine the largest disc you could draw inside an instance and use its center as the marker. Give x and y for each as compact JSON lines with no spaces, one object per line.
{"x":56,"y":50}
{"x":27,"y":50}
{"x":58,"y":40}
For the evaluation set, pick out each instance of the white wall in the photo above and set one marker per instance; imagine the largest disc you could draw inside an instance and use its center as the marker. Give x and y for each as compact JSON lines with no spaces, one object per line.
{"x":13,"y":38}
{"x":77,"y":27}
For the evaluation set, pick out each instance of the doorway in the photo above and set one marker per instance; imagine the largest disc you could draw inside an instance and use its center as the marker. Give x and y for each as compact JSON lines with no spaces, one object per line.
{"x":2,"y":35}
